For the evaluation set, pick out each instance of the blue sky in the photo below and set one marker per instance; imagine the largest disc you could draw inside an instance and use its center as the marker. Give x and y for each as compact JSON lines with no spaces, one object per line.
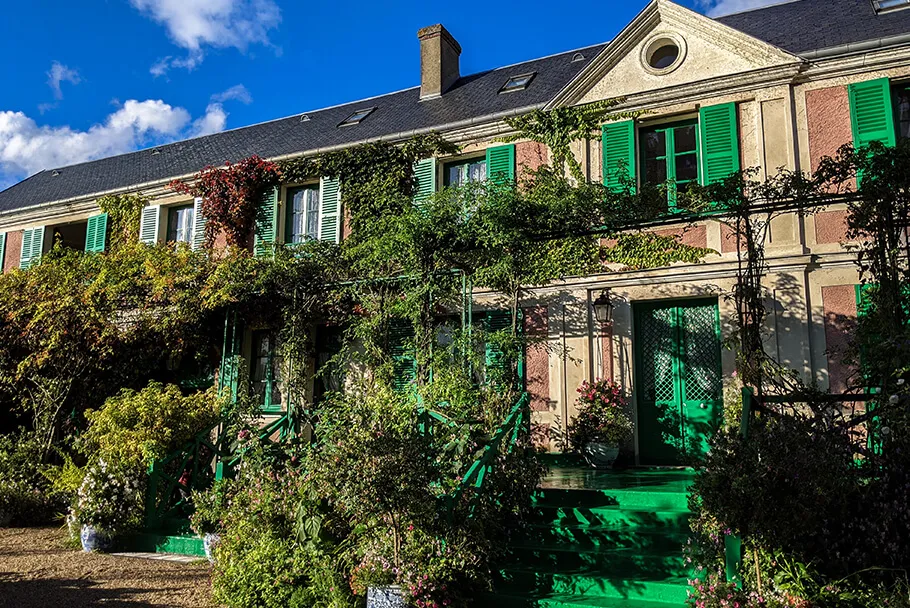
{"x":93,"y":78}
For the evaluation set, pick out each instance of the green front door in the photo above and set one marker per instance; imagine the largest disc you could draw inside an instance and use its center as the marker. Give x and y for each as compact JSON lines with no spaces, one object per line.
{"x":680,"y":397}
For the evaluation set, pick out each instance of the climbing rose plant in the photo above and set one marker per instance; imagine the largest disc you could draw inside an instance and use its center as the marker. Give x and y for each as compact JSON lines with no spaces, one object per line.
{"x":231,"y":196}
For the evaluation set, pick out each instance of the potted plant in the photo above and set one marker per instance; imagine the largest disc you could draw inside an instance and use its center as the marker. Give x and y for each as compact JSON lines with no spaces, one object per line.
{"x":108,"y":503}
{"x":208,"y":507}
{"x":602,"y":423}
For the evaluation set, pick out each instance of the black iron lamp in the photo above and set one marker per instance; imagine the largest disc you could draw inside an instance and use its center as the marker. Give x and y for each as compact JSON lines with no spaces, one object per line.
{"x":603,"y":307}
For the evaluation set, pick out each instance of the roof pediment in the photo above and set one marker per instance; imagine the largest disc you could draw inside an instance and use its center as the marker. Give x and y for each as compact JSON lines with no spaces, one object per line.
{"x":708,"y":50}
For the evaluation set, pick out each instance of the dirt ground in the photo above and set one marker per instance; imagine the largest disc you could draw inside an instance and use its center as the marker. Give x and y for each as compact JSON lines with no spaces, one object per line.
{"x":37,"y":571}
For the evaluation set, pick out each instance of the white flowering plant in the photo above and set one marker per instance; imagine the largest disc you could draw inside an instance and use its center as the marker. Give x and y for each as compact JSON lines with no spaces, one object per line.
{"x":110,"y":499}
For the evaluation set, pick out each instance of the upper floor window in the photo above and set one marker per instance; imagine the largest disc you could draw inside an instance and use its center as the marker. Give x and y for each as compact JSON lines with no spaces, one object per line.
{"x":464,"y":172}
{"x":670,"y":154}
{"x":302,"y":222}
{"x":180,"y":224}
{"x":901,"y":96}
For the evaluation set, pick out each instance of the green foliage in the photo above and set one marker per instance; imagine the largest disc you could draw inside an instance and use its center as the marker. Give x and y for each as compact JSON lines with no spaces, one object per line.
{"x":602,"y":415}
{"x":124,"y":212}
{"x":648,"y":250}
{"x":209,"y":507}
{"x":134,"y":428}
{"x":559,"y":128}
{"x":110,"y":499}
{"x":26,"y":496}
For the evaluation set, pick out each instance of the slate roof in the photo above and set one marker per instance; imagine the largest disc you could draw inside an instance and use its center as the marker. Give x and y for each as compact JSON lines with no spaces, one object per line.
{"x":471,"y":97}
{"x":801,"y":26}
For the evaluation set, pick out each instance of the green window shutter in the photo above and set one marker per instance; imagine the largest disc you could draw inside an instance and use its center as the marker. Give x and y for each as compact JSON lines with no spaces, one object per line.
{"x":871,"y":112}
{"x":32,"y":247}
{"x":266,"y":222}
{"x":96,"y":234}
{"x":501,"y":164}
{"x":499,"y":366}
{"x":2,"y":251}
{"x":719,"y":142}
{"x":618,"y":143}
{"x":425,"y":172}
{"x":198,"y":224}
{"x":148,"y":224}
{"x":329,"y":210}
{"x":404,"y":361}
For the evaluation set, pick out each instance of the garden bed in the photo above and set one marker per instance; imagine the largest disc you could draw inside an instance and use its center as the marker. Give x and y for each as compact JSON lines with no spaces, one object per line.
{"x":36,"y":570}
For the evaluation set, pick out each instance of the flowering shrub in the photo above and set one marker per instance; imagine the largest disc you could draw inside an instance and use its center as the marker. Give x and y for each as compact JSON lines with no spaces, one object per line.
{"x":231,"y":197}
{"x":601,"y":415}
{"x":714,"y":592}
{"x":109,"y":499}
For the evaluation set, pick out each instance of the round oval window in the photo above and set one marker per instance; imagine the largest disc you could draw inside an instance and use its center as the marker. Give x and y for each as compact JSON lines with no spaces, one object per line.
{"x":665,"y":56}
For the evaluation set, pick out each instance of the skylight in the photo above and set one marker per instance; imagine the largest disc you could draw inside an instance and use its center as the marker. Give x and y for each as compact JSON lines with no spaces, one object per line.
{"x":356,"y":118}
{"x":517,"y":83}
{"x":886,"y":5}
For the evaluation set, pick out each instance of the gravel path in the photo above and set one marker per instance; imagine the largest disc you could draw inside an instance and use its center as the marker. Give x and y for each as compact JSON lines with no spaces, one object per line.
{"x":36,"y":571}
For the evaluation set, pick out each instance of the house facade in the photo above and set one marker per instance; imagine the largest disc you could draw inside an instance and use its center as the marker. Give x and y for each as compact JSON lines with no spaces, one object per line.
{"x":778,"y":87}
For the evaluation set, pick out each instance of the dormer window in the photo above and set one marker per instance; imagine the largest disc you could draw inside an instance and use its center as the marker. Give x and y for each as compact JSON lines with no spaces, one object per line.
{"x":882,"y":6}
{"x":356,"y":118}
{"x":517,"y":83}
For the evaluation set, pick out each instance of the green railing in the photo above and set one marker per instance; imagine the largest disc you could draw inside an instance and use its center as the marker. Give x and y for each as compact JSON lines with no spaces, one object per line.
{"x":505,"y":440}
{"x":766,"y":407}
{"x":172,"y":478}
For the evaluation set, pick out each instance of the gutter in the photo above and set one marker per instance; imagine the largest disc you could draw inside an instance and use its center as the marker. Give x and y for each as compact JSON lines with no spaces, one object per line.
{"x":858,"y":47}
{"x":401,"y":135}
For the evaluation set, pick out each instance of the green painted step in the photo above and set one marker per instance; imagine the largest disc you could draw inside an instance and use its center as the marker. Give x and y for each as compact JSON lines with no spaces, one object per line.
{"x":151,"y":542}
{"x":589,"y":584}
{"x":635,"y":498}
{"x":614,"y":517}
{"x":590,"y":536}
{"x":568,"y":601}
{"x":627,"y":562}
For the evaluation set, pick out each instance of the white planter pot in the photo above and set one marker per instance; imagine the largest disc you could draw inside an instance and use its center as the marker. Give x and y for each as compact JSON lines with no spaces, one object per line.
{"x":209,"y":542}
{"x":95,"y":540}
{"x":601,"y":455}
{"x":385,"y":597}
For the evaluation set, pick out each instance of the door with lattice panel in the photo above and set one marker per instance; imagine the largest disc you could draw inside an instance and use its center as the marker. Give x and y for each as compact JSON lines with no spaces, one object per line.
{"x":678,"y":375}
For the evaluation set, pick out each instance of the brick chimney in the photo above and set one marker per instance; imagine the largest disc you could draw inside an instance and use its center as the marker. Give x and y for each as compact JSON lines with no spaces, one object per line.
{"x":439,"y":53}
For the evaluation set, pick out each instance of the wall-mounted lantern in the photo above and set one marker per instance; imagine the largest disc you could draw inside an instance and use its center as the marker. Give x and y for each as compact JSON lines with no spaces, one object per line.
{"x":603,"y":307}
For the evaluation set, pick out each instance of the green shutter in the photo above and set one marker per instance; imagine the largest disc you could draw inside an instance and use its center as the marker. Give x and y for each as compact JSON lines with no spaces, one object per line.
{"x":2,"y":251}
{"x":498,"y":366}
{"x":501,"y":163}
{"x":198,"y":224}
{"x":32,"y":247}
{"x":148,"y":224}
{"x":96,"y":234}
{"x":719,"y":142}
{"x":401,"y":349}
{"x":330,"y":210}
{"x":266,"y":222}
{"x":425,"y":173}
{"x":618,"y":143}
{"x":871,"y":112}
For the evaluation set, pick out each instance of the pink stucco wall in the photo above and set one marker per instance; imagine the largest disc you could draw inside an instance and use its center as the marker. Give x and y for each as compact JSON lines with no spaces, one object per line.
{"x":537,"y":359}
{"x":529,"y":155}
{"x":694,"y":236}
{"x":828,"y":121}
{"x":831,"y":227}
{"x":839,"y":302}
{"x":13,"y":250}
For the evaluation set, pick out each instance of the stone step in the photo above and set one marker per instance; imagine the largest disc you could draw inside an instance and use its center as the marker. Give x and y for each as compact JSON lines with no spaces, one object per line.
{"x":152,"y":542}
{"x":568,"y":601}
{"x":635,"y":498}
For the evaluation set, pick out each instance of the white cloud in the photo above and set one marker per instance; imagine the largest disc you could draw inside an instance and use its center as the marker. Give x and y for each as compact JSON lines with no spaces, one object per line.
{"x":58,"y":74}
{"x":238,"y":92}
{"x":717,"y":8}
{"x":27,"y":147}
{"x":196,"y":24}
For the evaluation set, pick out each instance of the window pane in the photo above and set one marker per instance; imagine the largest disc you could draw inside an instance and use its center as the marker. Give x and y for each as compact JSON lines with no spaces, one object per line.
{"x":312,"y":213}
{"x":180,"y":224}
{"x":655,"y":144}
{"x":456,"y":175}
{"x":684,"y":139}
{"x":655,"y":170}
{"x":477,"y":171}
{"x":686,"y":167}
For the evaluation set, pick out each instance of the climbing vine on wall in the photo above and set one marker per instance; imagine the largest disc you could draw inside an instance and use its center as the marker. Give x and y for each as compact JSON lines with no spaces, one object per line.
{"x":231,"y":196}
{"x":124,"y":211}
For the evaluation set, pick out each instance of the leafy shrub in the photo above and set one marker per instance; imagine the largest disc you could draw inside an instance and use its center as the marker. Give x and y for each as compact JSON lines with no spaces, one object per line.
{"x":601,"y":415}
{"x":135,"y":428}
{"x":26,"y":494}
{"x":209,"y":507}
{"x":110,"y":499}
